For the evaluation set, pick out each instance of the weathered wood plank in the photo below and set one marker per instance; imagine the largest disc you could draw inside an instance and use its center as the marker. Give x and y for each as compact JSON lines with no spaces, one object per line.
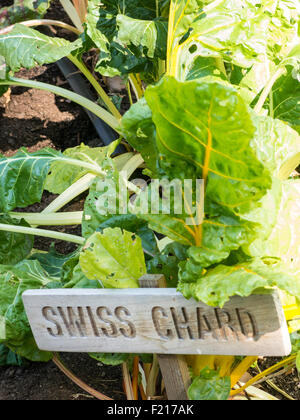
{"x":176,"y":376}
{"x":155,"y":321}
{"x":174,"y":369}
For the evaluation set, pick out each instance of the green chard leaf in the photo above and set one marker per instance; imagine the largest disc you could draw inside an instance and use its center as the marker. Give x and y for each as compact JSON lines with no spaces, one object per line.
{"x":53,"y":262}
{"x":115,"y":258}
{"x":286,"y":98}
{"x":26,"y":47}
{"x":189,"y":143}
{"x":72,"y":275}
{"x":3,"y":72}
{"x":117,"y":57}
{"x":23,"y":176}
{"x":190,"y":138}
{"x":9,"y":358}
{"x":217,"y":285}
{"x":103,"y":199}
{"x":111,"y":359}
{"x":62,"y":177}
{"x":15,"y":330}
{"x":168,"y":262}
{"x":210,"y":386}
{"x":140,"y":132}
{"x":14,"y":247}
{"x":132,"y":223}
{"x":151,"y":35}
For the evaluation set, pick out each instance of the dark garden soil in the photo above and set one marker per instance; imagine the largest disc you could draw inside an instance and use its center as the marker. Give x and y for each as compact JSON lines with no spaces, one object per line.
{"x":36,"y":119}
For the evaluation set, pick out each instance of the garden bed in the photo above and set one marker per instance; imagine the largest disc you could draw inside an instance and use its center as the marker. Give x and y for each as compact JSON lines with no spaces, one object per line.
{"x":37,"y":119}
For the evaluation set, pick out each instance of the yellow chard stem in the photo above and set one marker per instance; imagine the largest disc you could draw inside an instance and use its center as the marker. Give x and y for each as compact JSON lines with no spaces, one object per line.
{"x":101,"y":92}
{"x":170,"y":35}
{"x":241,"y":369}
{"x":265,"y":373}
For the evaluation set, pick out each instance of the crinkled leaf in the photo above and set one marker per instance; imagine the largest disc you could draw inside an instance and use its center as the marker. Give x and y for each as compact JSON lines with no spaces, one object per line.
{"x":52,"y":261}
{"x":139,"y":130}
{"x":132,"y":223}
{"x":28,"y":349}
{"x":209,"y":386}
{"x":116,"y":58}
{"x":167,"y":263}
{"x":23,"y":176}
{"x":217,"y":285}
{"x":198,"y":260}
{"x":191,"y":141}
{"x":15,"y":330}
{"x":115,"y":258}
{"x":191,"y":144}
{"x":14,"y":247}
{"x":26,"y":47}
{"x":61,"y":177}
{"x":151,"y":35}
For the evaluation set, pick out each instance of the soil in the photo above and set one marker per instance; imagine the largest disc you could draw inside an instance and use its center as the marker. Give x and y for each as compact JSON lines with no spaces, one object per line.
{"x":37,"y":119}
{"x":44,"y":381}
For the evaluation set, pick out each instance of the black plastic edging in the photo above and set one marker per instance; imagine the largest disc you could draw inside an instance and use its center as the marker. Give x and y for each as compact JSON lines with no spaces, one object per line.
{"x":80,"y":86}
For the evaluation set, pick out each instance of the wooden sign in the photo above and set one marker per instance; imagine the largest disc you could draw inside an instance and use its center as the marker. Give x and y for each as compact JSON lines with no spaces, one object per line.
{"x":155,"y":321}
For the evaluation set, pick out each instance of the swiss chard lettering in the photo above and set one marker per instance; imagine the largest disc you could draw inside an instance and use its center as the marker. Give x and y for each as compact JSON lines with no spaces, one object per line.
{"x":206,"y":194}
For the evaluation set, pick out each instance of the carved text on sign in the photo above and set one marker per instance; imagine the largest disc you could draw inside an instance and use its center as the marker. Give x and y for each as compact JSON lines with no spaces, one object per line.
{"x":169,"y":323}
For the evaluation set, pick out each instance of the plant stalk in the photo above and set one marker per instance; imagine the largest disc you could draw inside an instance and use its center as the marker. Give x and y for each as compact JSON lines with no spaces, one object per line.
{"x":42,"y":22}
{"x":151,"y":384}
{"x":112,"y":121}
{"x":50,"y":219}
{"x":44,"y":233}
{"x":157,"y":8}
{"x":127,"y":382}
{"x":265,"y":373}
{"x":72,"y":13}
{"x":56,"y":360}
{"x":136,"y":85}
{"x":102,"y":94}
{"x":79,"y":187}
{"x":267,"y":90}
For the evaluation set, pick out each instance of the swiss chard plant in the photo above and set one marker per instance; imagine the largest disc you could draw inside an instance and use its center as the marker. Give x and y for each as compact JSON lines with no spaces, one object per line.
{"x":215,"y":96}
